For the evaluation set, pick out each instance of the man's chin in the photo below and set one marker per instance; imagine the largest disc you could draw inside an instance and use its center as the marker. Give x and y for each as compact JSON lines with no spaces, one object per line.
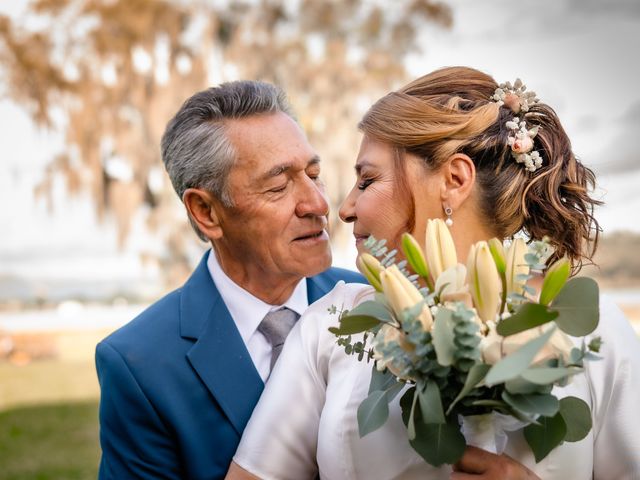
{"x":317,"y":263}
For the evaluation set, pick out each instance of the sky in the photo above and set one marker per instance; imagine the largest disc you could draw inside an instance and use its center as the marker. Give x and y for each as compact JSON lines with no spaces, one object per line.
{"x":580,"y":56}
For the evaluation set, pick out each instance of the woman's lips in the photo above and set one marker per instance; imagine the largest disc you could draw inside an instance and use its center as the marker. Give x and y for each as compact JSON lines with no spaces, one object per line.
{"x":360,"y":238}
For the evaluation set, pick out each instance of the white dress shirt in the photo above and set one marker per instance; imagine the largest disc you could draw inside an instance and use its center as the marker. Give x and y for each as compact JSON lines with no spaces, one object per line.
{"x":248,"y":311}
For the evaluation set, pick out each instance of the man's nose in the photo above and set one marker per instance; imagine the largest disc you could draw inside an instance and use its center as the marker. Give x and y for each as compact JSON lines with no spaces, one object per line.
{"x":312,"y":200}
{"x":347,"y":210}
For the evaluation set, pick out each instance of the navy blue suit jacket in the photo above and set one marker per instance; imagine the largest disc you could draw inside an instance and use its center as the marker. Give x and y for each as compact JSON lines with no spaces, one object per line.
{"x":178,"y":385}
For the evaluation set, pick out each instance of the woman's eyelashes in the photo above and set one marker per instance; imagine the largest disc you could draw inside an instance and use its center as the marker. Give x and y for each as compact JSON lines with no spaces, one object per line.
{"x":364,"y":183}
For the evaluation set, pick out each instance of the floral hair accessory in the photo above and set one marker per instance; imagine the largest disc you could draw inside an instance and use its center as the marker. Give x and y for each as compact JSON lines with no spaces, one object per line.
{"x":521,"y":142}
{"x":517,"y":99}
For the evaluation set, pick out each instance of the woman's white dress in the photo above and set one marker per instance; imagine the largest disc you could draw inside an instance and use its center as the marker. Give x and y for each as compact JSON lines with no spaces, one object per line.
{"x":305,"y":422}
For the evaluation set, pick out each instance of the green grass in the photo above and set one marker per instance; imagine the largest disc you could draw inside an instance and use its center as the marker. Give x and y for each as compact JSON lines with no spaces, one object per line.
{"x":50,"y":442}
{"x":47,"y":382}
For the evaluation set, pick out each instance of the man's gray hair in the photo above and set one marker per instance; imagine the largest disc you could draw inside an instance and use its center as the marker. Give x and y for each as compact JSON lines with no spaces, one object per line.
{"x":195,"y":149}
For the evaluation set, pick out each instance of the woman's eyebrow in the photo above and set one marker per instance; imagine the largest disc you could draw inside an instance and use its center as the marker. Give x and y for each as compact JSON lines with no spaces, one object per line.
{"x":360,"y":165}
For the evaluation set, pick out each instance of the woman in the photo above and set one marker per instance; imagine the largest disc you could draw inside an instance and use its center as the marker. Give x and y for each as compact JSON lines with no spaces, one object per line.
{"x":441,"y":147}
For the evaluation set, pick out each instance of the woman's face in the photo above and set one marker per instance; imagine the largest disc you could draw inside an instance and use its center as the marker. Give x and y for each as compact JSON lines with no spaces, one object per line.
{"x":377,"y":207}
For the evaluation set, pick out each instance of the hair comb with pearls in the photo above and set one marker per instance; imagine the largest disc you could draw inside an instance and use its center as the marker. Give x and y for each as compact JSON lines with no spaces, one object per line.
{"x":517,"y":99}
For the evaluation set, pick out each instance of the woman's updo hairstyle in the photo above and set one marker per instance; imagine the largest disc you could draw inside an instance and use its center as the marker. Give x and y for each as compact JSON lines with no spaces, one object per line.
{"x":450,"y":111}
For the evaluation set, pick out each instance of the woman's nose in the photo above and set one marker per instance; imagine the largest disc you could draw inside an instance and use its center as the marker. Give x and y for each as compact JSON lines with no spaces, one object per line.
{"x":347,"y":210}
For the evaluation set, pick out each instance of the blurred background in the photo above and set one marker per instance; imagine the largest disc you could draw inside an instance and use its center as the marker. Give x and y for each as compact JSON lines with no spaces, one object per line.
{"x":91,"y":231}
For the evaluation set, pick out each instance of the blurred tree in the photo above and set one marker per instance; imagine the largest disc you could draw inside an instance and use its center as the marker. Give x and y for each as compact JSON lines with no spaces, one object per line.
{"x":110,"y":74}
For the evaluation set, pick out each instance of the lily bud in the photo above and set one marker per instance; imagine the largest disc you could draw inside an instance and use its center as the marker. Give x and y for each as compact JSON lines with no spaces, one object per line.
{"x":413,"y":254}
{"x":555,"y":278}
{"x":497,"y":252}
{"x":484,"y":281}
{"x":370,"y":267}
{"x":516,"y":265}
{"x":403,"y":294}
{"x":441,"y":252}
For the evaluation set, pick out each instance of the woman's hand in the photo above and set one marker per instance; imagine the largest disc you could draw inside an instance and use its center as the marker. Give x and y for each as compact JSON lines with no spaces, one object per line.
{"x":236,"y":472}
{"x":477,"y":464}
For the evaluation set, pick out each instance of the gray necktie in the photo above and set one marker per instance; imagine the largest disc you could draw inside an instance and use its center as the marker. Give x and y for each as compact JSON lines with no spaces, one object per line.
{"x":275,"y":327}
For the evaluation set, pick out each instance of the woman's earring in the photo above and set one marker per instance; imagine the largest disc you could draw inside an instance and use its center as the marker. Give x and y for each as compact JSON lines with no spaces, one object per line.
{"x":448,"y":212}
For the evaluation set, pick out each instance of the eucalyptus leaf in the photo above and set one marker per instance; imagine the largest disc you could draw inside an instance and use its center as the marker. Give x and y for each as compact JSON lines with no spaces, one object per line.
{"x":531,"y":258}
{"x":444,"y":337}
{"x":362,"y":318}
{"x":411,"y":427}
{"x":595,"y":344}
{"x":544,"y":376}
{"x":591,"y":357}
{"x":439,"y":443}
{"x":353,"y":325}
{"x":431,"y":403}
{"x":467,"y":327}
{"x":517,"y":362}
{"x":519,"y":385}
{"x":474,"y":377}
{"x":406,"y":403}
{"x":578,"y":307}
{"x":380,"y":298}
{"x":468,"y":340}
{"x":526,"y":418}
{"x":575,"y":356}
{"x":372,"y":412}
{"x":393,"y":391}
{"x":489,"y":403}
{"x":372,"y":308}
{"x":546,"y":435}
{"x":541,"y":404}
{"x":529,"y":315}
{"x":380,"y":380}
{"x":577,"y":416}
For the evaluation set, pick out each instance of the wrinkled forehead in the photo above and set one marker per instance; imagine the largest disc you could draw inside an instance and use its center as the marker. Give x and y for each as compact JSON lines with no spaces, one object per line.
{"x":267,"y":143}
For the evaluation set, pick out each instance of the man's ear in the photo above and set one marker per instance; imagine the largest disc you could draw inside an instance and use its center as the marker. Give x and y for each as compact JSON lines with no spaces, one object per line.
{"x":202,"y":208}
{"x":459,"y":174}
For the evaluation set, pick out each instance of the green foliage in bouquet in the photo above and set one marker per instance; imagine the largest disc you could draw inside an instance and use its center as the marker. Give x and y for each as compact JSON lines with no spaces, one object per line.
{"x":459,"y":342}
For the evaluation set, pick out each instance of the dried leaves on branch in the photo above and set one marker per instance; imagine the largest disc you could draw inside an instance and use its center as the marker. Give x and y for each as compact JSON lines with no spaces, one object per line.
{"x":110,"y":73}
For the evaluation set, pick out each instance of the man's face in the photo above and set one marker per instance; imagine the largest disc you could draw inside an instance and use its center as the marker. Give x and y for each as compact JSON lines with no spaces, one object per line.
{"x":277,"y":226}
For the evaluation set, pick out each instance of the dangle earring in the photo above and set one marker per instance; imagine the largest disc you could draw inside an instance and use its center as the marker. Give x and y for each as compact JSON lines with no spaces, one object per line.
{"x":448,"y":212}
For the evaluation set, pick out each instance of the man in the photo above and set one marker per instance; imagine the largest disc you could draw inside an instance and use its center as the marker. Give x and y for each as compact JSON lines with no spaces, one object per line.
{"x":179,"y":382}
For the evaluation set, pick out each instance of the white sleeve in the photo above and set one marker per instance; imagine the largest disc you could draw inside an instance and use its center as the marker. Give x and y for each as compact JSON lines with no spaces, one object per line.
{"x":281,"y":438}
{"x":615,"y":386}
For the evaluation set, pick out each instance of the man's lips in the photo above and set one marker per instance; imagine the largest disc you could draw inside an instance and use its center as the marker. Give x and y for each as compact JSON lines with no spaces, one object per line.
{"x":311,"y":235}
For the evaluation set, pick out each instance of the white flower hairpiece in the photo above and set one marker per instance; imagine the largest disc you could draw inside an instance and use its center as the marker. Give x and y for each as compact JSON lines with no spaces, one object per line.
{"x":515,"y":96}
{"x":517,"y":99}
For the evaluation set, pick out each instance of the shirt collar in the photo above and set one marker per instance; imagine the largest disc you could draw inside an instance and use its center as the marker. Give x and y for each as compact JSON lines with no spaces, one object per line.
{"x":247,"y":310}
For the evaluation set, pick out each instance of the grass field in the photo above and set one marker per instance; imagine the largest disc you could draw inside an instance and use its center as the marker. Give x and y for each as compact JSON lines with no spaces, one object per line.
{"x":49,"y":420}
{"x":50,"y":442}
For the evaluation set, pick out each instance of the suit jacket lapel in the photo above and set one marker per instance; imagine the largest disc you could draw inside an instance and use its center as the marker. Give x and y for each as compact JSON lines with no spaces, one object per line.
{"x":219,"y":355}
{"x":318,"y":286}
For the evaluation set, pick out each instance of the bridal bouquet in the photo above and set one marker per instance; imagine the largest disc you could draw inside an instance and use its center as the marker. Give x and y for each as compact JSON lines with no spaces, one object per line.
{"x":475,"y":349}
